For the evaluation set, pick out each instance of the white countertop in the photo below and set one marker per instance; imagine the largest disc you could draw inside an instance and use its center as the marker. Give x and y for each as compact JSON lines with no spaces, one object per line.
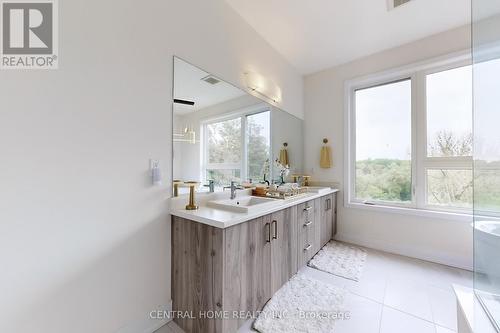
{"x":223,"y":218}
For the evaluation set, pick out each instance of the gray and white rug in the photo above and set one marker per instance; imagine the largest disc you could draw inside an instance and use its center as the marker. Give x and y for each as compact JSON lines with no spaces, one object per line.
{"x":302,"y":305}
{"x":340,"y":259}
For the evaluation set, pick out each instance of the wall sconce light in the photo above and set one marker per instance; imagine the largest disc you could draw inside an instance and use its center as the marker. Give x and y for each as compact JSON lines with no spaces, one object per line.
{"x":188,"y":135}
{"x":263,"y":86}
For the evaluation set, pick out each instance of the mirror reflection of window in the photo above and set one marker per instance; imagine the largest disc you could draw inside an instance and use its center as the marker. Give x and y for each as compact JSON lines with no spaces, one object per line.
{"x":258,"y":145}
{"x":237,"y":149}
{"x":223,"y":151}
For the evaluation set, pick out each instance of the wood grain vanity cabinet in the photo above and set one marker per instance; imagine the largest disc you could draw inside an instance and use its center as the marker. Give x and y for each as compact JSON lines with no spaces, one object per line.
{"x":218,"y":271}
{"x":283,"y":247}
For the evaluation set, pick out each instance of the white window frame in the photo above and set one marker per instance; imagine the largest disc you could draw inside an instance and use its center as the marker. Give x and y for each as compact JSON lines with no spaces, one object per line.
{"x":420,"y":163}
{"x":426,"y":163}
{"x":242,"y":114}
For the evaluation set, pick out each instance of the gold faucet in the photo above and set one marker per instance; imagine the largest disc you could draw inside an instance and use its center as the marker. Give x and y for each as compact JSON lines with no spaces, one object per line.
{"x":191,"y":205}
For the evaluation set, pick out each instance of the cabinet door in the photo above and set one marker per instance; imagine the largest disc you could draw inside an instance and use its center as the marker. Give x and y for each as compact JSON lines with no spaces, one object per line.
{"x":247,"y":284}
{"x":317,"y":227}
{"x":197,"y":274}
{"x":327,"y":216}
{"x":283,"y":247}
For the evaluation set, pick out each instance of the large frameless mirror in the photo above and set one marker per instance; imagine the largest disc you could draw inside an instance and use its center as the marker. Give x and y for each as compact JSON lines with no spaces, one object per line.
{"x":222,"y":134}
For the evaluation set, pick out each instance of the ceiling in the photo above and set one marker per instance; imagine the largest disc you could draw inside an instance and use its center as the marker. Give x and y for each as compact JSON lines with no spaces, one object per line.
{"x":188,"y":85}
{"x":317,"y":34}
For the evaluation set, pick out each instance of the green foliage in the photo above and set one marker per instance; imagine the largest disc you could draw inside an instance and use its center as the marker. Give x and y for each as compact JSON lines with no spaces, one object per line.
{"x":224,"y":141}
{"x":487,"y":186}
{"x":449,"y":187}
{"x":390,"y":179}
{"x":258,"y":150}
{"x":383,"y":179}
{"x":225,"y":147}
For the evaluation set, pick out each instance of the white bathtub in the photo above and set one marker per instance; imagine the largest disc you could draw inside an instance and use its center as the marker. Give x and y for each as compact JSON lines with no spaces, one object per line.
{"x":487,"y":249}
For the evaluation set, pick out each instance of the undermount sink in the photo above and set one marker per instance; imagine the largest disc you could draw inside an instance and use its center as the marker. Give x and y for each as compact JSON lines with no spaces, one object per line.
{"x":242,"y":205}
{"x":318,"y":189}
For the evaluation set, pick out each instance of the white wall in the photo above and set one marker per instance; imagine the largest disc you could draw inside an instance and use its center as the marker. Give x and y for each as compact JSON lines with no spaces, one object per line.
{"x":441,"y":240}
{"x":290,"y":130}
{"x":84,"y":238}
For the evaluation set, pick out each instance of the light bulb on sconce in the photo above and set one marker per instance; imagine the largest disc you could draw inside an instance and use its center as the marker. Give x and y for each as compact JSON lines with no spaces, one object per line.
{"x":263,"y":86}
{"x":187,"y":134}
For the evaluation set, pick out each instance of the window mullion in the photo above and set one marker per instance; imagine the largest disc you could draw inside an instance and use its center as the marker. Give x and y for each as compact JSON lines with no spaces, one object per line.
{"x":447,"y":163}
{"x":244,"y":152}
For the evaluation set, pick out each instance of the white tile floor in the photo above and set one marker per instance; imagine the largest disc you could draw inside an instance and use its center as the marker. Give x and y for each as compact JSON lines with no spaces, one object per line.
{"x":171,"y":327}
{"x":396,"y":294}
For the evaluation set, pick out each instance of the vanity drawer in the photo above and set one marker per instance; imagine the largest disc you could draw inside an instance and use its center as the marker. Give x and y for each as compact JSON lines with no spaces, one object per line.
{"x":306,"y":246}
{"x":305,"y":212}
{"x":309,"y":228}
{"x":308,"y":219}
{"x":306,"y":226}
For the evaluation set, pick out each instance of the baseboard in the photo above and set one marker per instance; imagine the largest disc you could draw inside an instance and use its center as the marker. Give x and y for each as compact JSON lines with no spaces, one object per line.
{"x":384,"y":245}
{"x":148,"y":324}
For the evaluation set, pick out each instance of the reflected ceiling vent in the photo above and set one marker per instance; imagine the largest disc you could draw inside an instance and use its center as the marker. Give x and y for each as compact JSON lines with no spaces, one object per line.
{"x":211,"y":79}
{"x":392,"y":4}
{"x":183,"y":102}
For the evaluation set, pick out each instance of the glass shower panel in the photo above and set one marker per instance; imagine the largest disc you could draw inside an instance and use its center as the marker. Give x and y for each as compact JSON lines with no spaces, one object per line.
{"x":486,"y":82}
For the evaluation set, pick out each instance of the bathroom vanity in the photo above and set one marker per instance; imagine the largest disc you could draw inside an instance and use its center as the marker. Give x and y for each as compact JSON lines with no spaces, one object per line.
{"x":226,"y":263}
{"x":232,"y":251}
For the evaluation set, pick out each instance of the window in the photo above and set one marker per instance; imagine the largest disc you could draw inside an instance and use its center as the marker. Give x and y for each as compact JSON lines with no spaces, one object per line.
{"x":236,"y":148}
{"x":448,"y":168}
{"x":383,"y":142}
{"x":410,"y":138}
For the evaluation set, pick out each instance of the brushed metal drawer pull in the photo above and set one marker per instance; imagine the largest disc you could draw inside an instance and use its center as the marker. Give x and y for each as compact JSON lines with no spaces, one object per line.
{"x":308,"y":223}
{"x":307,"y":209}
{"x":307,"y":248}
{"x":275,"y":236}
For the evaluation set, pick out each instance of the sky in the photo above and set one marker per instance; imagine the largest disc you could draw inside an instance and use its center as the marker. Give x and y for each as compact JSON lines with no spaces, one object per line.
{"x":487,"y":110}
{"x":449,"y":102}
{"x":383,"y":113}
{"x":383,"y":122}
